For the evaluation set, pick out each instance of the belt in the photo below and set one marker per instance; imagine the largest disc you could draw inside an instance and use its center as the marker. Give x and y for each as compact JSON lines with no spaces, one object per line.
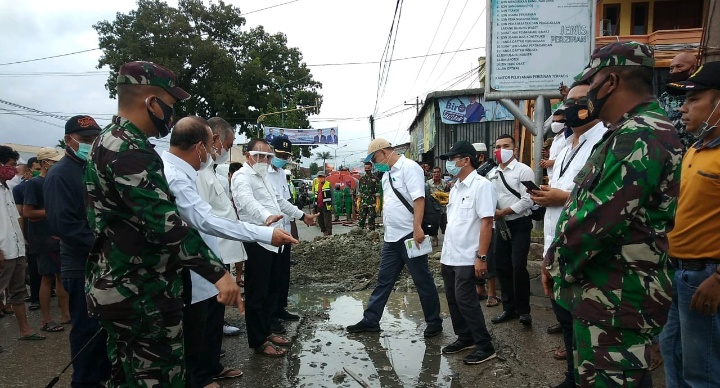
{"x":693,"y":264}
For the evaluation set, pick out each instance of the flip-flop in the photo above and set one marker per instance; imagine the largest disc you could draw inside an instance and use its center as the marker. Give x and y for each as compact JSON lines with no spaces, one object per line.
{"x":52,"y":327}
{"x":274,"y":339}
{"x":31,"y":337}
{"x":261,"y":350}
{"x":228,"y":373}
{"x":492,"y":301}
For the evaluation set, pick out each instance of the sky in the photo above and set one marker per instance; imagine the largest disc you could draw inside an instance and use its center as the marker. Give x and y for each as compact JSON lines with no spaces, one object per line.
{"x":325,"y":31}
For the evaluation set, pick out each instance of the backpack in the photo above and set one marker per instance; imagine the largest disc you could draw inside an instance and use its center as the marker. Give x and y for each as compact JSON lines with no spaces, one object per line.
{"x":433,"y":210}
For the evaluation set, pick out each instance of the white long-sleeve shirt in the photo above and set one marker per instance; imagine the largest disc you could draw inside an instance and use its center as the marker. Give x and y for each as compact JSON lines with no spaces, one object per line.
{"x":198,"y":214}
{"x":277,"y":178}
{"x":514,"y":173}
{"x":256,"y":200}
{"x":212,"y":191}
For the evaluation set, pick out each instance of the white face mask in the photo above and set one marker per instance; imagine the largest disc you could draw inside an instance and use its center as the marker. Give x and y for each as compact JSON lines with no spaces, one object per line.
{"x":223,"y":157}
{"x":208,"y":160}
{"x":557,"y":127}
{"x":260,"y":168}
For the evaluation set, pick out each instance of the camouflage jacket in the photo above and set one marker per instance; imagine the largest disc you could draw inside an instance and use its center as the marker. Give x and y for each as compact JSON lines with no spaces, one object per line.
{"x":142,"y":244}
{"x":609,"y":259}
{"x":442,"y":186}
{"x":671,"y":104}
{"x":369,"y":186}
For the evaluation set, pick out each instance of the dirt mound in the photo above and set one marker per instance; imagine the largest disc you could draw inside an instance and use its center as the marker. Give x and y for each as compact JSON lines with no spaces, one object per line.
{"x":346,"y":262}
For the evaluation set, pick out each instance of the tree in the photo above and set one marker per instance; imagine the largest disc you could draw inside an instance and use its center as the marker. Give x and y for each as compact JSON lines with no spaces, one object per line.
{"x":314,"y":168}
{"x":323,"y":156}
{"x":61,"y":143}
{"x":230,"y":72}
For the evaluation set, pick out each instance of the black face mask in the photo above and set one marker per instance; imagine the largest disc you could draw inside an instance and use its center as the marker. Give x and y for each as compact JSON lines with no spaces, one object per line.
{"x":680,"y":76}
{"x":577,"y":115}
{"x":594,"y":104}
{"x":165,"y":124}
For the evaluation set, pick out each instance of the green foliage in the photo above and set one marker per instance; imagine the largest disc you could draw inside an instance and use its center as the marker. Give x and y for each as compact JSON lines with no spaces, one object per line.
{"x":230,"y":71}
{"x":314,"y":168}
{"x":323,"y":156}
{"x":61,"y":143}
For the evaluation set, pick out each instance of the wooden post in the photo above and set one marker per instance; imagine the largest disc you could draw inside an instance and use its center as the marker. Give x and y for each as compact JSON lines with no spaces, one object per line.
{"x":712,"y":33}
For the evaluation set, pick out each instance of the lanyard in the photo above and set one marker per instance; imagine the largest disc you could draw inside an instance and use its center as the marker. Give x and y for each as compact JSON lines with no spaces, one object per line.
{"x":565,"y":167}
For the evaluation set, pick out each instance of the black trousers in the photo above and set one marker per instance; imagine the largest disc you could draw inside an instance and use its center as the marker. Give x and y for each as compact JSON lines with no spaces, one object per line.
{"x":465,"y":312}
{"x":261,"y":292}
{"x":566,"y":323}
{"x":210,"y":350}
{"x":511,"y":261}
{"x":194,"y":322}
{"x":283,"y":270}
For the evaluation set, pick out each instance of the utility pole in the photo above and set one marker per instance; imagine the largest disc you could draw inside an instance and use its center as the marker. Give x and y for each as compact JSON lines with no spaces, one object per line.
{"x":417,"y":105}
{"x":372,"y":128}
{"x":711,"y":45}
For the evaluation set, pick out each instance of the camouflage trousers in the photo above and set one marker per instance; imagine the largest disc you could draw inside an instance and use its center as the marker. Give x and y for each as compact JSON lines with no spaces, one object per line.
{"x":610,"y":356}
{"x":147,"y":351}
{"x":367,"y":212}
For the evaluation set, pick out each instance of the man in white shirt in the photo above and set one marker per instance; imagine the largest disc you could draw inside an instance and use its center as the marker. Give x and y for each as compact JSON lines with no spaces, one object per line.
{"x":572,"y":158}
{"x":557,"y":126}
{"x":282,"y":147}
{"x":400,"y":224}
{"x":12,"y":247}
{"x":190,"y":146}
{"x":470,"y":213}
{"x":258,"y":203}
{"x":514,"y":205}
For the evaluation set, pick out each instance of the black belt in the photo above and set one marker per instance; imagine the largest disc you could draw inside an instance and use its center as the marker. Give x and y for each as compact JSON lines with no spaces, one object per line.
{"x":693,"y":264}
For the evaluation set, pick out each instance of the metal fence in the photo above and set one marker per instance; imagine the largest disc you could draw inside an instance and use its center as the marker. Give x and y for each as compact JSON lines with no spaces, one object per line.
{"x":486,"y":132}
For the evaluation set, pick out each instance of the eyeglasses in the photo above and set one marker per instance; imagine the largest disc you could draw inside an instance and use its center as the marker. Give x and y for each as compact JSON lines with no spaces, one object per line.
{"x":576,"y":101}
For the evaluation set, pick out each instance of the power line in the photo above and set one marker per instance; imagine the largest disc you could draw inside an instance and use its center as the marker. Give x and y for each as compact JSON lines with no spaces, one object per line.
{"x":461,"y":43}
{"x":388,"y":52}
{"x":33,"y":118}
{"x":48,"y":114}
{"x":272,"y":6}
{"x":50,"y":57}
{"x":448,"y":40}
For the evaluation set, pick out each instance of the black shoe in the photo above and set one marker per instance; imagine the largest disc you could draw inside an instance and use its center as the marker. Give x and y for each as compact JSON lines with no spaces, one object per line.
{"x":287,"y":316}
{"x":566,"y":384}
{"x":432,"y":330}
{"x":479,"y":356}
{"x":504,"y":317}
{"x":277,"y":328}
{"x":554,"y":329}
{"x":457,"y":346}
{"x":362,"y":327}
{"x":526,"y":319}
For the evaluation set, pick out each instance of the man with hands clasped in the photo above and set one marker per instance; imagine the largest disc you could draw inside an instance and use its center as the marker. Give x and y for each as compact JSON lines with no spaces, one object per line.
{"x":470,"y":212}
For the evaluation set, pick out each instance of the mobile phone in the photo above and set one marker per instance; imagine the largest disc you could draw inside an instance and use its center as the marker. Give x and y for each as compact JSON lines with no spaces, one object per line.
{"x":530,"y":185}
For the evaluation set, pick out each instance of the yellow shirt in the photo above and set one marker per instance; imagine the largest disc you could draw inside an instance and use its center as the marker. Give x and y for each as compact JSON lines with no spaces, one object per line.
{"x":697,"y":221}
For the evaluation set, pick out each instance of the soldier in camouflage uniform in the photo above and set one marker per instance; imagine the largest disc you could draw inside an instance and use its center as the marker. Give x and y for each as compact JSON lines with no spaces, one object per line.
{"x":681,"y":67}
{"x":368,"y":197}
{"x":134,"y":282}
{"x":609,"y":259}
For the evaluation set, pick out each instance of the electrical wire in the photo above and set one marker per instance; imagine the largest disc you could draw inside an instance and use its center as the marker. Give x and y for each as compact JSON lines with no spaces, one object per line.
{"x":388,"y":52}
{"x":50,"y":57}
{"x":35,"y":119}
{"x":461,"y":43}
{"x":272,"y":6}
{"x":448,"y":40}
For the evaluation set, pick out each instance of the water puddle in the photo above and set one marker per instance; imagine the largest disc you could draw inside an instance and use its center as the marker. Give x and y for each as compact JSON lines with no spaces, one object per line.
{"x":398,"y":356}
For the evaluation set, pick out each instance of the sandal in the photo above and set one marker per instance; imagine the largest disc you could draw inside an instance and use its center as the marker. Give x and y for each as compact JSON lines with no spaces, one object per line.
{"x":228,"y":373}
{"x":52,"y":327}
{"x":277,"y":340}
{"x":261,"y":350}
{"x":560,"y":354}
{"x":492,"y":301}
{"x":31,"y":337}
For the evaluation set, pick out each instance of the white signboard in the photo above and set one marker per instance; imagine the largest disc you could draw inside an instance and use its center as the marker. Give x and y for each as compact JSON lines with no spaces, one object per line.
{"x":536,"y":44}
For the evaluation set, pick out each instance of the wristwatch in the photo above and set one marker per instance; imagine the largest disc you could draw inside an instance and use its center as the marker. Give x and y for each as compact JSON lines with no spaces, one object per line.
{"x":482,"y":258}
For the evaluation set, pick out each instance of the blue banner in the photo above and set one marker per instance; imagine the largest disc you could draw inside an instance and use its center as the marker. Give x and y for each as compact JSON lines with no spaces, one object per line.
{"x":303,"y":136}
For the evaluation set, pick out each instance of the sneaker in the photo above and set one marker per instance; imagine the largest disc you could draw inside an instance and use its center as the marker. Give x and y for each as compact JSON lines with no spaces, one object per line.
{"x":287,"y":316}
{"x":34,"y":306}
{"x":479,"y":356}
{"x":554,"y":329}
{"x":230,"y":330}
{"x":432,"y":330}
{"x":457,"y":346}
{"x":362,"y":327}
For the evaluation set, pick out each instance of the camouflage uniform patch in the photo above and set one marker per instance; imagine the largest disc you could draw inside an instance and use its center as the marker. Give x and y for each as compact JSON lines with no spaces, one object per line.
{"x":611,"y":357}
{"x":368,"y":187}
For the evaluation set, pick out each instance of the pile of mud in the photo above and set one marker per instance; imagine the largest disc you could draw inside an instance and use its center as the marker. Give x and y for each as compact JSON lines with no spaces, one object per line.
{"x":346,"y":262}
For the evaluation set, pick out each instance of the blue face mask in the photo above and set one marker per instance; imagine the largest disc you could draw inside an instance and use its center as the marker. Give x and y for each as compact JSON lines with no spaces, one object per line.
{"x":279,"y":163}
{"x":451,"y":168}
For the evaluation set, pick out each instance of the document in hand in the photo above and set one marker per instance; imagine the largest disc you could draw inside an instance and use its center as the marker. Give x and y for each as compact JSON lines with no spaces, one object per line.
{"x":413,"y":250}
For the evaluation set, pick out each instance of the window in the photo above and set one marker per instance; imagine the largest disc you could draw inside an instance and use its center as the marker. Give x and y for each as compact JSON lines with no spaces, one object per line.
{"x":639,"y":18}
{"x":610,"y":20}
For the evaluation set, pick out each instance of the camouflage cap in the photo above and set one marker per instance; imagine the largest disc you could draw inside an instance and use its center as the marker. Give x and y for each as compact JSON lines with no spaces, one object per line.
{"x":148,"y":73}
{"x":618,"y":54}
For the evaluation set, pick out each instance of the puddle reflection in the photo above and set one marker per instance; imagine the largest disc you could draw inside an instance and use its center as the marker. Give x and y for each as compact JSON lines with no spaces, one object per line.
{"x":398,"y":356}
